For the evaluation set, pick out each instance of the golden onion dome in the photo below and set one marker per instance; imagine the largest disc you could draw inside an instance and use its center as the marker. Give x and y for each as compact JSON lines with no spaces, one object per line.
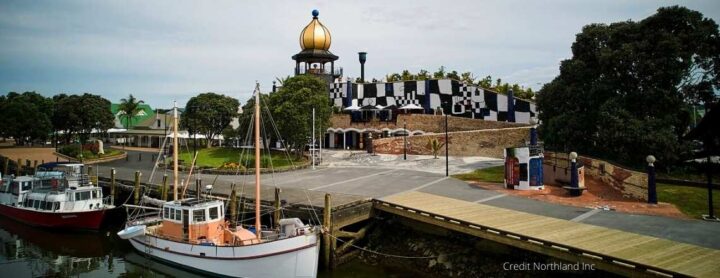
{"x":315,"y":35}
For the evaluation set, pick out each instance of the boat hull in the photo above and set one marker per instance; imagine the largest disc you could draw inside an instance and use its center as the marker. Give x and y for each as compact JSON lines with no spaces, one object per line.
{"x":86,"y":220}
{"x":292,"y":257}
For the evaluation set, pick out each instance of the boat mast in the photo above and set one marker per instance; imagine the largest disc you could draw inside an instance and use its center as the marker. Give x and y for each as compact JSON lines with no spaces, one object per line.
{"x":257,"y":160}
{"x":175,"y":152}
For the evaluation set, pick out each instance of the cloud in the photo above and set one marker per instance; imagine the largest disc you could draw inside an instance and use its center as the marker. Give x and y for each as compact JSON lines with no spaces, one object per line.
{"x":171,"y":50}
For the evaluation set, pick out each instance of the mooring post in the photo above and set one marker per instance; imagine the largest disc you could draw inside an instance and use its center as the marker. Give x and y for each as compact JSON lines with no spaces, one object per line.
{"x":164,"y":187}
{"x":27,"y":166}
{"x":19,"y":166}
{"x":327,"y":231}
{"x":233,"y":206}
{"x":5,"y":168}
{"x":198,"y":186}
{"x":112,"y":186}
{"x":276,"y":213}
{"x":35,"y":164}
{"x":136,"y":191}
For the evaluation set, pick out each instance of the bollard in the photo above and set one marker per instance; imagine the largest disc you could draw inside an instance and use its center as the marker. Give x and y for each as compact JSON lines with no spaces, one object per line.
{"x":326,"y":231}
{"x":164,"y":187}
{"x":652,"y":189}
{"x":112,"y":186}
{"x":136,"y":190}
{"x":276,"y":213}
{"x":233,"y":206}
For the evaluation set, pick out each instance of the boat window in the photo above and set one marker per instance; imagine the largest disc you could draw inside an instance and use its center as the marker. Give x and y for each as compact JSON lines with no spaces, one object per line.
{"x":26,"y":186}
{"x":213,"y":213}
{"x":48,"y":205}
{"x":56,"y":205}
{"x":167,"y":213}
{"x":94,"y":194}
{"x":26,"y":203}
{"x":198,"y":215}
{"x":36,"y":204}
{"x":80,"y":196}
{"x":178,"y":214}
{"x":15,"y":186}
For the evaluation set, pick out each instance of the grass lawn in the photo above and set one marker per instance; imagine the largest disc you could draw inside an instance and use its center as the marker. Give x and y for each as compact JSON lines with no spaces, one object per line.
{"x":492,"y":174}
{"x":690,"y":200}
{"x":216,"y":157}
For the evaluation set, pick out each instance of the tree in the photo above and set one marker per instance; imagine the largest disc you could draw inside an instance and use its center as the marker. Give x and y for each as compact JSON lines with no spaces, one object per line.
{"x":26,"y":117}
{"x":292,"y":105}
{"x":93,"y":112}
{"x":624,"y":93}
{"x":130,"y":107}
{"x":209,"y":114}
{"x":64,"y":117}
{"x":440,"y":73}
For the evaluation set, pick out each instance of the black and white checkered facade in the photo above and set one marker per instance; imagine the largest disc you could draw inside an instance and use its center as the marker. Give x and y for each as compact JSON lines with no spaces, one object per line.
{"x":454,"y":97}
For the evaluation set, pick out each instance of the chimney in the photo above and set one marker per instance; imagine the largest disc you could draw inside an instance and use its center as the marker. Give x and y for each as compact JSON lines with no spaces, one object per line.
{"x":363,"y":58}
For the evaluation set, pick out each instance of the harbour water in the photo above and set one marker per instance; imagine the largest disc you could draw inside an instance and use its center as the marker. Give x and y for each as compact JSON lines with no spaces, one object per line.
{"x":30,"y":252}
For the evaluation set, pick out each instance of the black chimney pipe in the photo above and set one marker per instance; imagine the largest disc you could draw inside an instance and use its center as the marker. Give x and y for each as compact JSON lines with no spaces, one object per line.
{"x":363,"y":58}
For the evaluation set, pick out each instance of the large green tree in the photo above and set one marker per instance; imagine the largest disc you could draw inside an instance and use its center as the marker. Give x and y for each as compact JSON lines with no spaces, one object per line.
{"x":65,"y":115}
{"x":624,"y":93}
{"x":209,"y":114}
{"x":292,"y":106}
{"x":26,"y":117}
{"x":93,"y":113}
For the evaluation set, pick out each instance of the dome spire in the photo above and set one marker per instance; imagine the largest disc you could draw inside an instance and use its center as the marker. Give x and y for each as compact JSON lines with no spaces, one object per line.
{"x":315,"y":36}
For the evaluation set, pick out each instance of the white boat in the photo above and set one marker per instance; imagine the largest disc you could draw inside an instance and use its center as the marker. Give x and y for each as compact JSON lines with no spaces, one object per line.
{"x":194,"y":234}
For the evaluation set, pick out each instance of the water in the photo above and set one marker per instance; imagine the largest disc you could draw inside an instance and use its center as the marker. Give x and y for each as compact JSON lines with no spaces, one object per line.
{"x":32,"y":252}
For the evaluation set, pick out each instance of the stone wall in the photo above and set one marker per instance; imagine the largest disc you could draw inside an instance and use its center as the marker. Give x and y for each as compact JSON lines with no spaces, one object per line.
{"x":486,"y":142}
{"x":630,"y":183}
{"x":419,"y":122}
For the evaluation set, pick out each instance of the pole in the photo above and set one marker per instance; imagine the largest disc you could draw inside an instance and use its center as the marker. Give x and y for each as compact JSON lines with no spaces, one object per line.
{"x":405,"y":134}
{"x":312,"y":145}
{"x":112,"y":186}
{"x":233,"y":206}
{"x":326,"y":231}
{"x":175,"y":152}
{"x":164,"y":187}
{"x":257,"y":161}
{"x":447,"y":160}
{"x":276,"y":213}
{"x":711,"y":212}
{"x":137,"y":187}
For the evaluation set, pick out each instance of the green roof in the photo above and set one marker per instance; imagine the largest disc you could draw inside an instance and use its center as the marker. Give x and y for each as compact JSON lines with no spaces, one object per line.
{"x":146,"y":113}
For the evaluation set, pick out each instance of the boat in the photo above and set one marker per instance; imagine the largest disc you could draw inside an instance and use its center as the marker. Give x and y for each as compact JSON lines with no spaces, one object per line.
{"x":193,"y":232}
{"x":58,"y":196}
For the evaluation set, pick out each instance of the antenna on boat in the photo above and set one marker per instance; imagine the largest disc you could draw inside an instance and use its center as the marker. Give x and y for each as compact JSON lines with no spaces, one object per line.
{"x":257,"y":160}
{"x":175,"y":151}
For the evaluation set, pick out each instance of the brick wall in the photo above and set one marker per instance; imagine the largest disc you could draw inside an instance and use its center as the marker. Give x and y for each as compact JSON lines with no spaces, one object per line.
{"x":486,"y":142}
{"x":421,"y":122}
{"x":631,"y":184}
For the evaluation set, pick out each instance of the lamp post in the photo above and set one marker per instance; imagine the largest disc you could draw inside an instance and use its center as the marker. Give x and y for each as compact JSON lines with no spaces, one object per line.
{"x":405,"y":133}
{"x":447,"y":142}
{"x":652,"y":192}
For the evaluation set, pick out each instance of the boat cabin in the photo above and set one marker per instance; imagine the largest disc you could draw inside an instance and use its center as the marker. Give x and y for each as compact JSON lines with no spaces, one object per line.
{"x":200,"y":222}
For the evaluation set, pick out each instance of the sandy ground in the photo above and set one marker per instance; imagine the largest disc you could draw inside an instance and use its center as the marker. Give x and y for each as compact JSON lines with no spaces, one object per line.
{"x":597,"y":196}
{"x":39,"y":154}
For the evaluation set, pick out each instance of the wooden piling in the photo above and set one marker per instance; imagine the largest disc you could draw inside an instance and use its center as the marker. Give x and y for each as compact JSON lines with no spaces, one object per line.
{"x":7,"y":165}
{"x":164,"y":187}
{"x":327,"y":229}
{"x":27,"y":167}
{"x":19,"y":166}
{"x":112,"y":185}
{"x":276,"y":213}
{"x":233,"y":206}
{"x":136,"y":191}
{"x":35,"y":164}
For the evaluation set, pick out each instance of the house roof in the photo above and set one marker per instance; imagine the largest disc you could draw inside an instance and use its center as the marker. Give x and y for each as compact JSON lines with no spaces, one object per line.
{"x":146,"y":112}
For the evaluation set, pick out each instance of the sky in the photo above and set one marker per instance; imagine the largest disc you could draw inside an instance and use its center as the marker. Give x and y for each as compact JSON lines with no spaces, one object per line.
{"x":165,"y":51}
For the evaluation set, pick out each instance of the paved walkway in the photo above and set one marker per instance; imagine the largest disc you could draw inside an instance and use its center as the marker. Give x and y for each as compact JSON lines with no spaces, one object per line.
{"x":384,"y":176}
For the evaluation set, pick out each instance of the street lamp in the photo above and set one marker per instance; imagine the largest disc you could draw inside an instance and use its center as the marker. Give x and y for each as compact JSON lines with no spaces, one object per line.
{"x":405,"y":133}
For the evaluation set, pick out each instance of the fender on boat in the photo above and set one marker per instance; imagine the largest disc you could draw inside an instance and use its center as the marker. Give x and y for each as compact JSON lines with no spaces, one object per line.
{"x":132,"y":231}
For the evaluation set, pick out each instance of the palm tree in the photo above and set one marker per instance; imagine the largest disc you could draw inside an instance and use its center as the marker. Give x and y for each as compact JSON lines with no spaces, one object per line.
{"x":435,"y":145}
{"x":130,"y":106}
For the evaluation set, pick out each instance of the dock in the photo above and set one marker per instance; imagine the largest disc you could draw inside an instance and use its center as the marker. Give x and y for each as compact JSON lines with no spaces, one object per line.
{"x":612,"y":250}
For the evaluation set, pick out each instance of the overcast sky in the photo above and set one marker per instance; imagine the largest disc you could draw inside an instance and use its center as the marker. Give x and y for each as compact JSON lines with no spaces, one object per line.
{"x":162,"y":51}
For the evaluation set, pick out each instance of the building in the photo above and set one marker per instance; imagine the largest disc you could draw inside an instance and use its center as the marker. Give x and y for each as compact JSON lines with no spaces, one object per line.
{"x":374,"y":109}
